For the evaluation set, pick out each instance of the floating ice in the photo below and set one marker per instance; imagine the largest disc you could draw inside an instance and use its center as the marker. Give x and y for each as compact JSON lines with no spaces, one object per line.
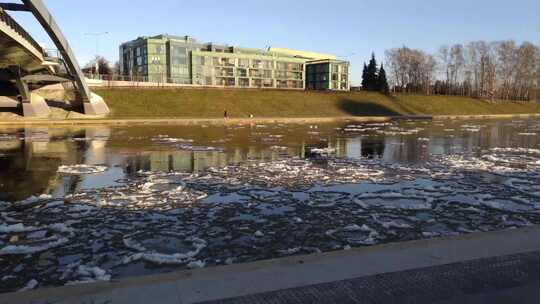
{"x":189,"y":147}
{"x":34,"y":247}
{"x":297,"y":250}
{"x":90,"y":274}
{"x":81,"y":169}
{"x":354,"y":234}
{"x":15,"y":228}
{"x":393,"y":201}
{"x":517,"y":150}
{"x":167,"y":139}
{"x":325,"y":199}
{"x":165,"y":259}
{"x":323,"y":151}
{"x":196,"y":264}
{"x":32,"y":284}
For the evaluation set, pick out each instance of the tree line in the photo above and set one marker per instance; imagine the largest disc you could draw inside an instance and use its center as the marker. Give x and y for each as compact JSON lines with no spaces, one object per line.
{"x":489,"y":70}
{"x":374,"y":78}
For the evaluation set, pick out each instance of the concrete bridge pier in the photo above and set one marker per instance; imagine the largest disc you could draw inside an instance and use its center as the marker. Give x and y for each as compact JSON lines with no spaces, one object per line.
{"x":95,"y":105}
{"x":33,"y":105}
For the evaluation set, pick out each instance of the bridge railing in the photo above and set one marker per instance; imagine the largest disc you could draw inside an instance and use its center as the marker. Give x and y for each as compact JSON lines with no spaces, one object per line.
{"x":7,"y":19}
{"x":117,"y":77}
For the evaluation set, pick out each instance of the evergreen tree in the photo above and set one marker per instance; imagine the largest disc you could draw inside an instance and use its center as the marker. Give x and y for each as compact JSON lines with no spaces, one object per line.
{"x":371,"y":74}
{"x":382,"y":82}
{"x":364,"y":77}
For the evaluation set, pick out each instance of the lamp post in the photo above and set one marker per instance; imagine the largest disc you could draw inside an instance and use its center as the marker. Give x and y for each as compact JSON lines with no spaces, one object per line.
{"x":97,"y":35}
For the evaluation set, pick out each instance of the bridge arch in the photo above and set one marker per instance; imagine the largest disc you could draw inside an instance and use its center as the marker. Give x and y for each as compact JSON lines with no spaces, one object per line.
{"x":92,"y":103}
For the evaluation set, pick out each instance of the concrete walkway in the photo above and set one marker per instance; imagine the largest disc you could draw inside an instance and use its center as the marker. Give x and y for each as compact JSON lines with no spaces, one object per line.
{"x":60,"y":117}
{"x":475,"y":268}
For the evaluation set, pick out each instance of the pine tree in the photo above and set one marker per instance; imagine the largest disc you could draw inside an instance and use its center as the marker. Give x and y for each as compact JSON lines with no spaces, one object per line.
{"x":372,"y":78}
{"x":382,"y":82}
{"x":365,"y":78}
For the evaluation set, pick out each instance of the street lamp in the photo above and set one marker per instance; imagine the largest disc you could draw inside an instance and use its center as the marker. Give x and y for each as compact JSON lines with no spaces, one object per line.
{"x":97,"y":35}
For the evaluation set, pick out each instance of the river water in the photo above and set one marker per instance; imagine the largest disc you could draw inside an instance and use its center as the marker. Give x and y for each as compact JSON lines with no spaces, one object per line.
{"x":86,"y":204}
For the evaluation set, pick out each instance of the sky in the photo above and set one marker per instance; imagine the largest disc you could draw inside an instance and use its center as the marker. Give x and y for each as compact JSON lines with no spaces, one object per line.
{"x":351,"y":29}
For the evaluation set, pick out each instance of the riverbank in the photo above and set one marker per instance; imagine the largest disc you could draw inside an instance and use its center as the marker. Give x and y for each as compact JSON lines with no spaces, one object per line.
{"x":207,"y":106}
{"x":247,"y":121}
{"x":212,"y":103}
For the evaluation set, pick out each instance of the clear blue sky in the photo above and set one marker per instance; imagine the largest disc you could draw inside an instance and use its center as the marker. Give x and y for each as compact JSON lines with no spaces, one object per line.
{"x":349,"y":28}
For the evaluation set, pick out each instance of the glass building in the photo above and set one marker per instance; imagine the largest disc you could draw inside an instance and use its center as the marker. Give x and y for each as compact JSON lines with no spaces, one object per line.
{"x":328,"y":74}
{"x":184,"y":60}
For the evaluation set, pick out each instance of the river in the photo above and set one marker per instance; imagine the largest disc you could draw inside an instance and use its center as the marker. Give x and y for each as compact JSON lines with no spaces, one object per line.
{"x":86,"y":204}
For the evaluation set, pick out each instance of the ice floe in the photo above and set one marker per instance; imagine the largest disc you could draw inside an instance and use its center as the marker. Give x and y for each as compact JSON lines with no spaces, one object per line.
{"x":34,"y":247}
{"x":32,"y":284}
{"x":81,"y":169}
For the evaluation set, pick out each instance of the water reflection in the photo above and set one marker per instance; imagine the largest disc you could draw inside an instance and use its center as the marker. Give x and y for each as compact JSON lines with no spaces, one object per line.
{"x":29,"y":157}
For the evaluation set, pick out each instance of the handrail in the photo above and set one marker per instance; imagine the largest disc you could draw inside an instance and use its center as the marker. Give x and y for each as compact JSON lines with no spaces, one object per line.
{"x":7,"y":19}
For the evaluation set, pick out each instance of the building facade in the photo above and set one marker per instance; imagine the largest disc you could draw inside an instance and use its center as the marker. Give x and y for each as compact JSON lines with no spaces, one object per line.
{"x":183,"y":60}
{"x":328,"y":74}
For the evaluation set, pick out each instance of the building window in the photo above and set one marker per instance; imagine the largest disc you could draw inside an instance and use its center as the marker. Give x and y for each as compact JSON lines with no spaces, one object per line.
{"x":255,"y":73}
{"x":268,"y":65}
{"x":225,"y":72}
{"x":200,"y":60}
{"x":179,"y":51}
{"x":226,"y":82}
{"x":241,"y":72}
{"x":268,"y":83}
{"x":256,"y":83}
{"x":179,"y":61}
{"x":257,"y":64}
{"x":227,"y":61}
{"x":243,"y":82}
{"x":243,"y":63}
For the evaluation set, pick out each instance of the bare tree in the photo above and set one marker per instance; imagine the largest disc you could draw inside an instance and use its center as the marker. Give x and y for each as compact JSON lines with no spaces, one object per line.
{"x":444,"y":57}
{"x":498,"y":70}
{"x":99,"y":65}
{"x":413,"y":71}
{"x":457,"y":61}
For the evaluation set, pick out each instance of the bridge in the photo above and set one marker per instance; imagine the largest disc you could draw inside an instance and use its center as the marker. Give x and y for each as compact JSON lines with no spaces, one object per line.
{"x":25,"y":65}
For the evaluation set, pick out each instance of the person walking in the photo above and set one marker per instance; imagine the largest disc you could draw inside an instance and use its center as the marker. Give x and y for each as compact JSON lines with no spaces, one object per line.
{"x":225,"y":114}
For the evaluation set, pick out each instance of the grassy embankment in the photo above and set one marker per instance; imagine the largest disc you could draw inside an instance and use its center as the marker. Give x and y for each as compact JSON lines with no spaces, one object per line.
{"x":211,"y":103}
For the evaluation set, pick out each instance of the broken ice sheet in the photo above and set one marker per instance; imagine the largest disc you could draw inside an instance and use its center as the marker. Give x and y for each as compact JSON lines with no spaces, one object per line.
{"x":257,"y":210}
{"x":81,"y":169}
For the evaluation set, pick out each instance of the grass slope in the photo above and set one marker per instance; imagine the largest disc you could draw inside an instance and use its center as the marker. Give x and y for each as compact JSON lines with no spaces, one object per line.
{"x":211,"y":103}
